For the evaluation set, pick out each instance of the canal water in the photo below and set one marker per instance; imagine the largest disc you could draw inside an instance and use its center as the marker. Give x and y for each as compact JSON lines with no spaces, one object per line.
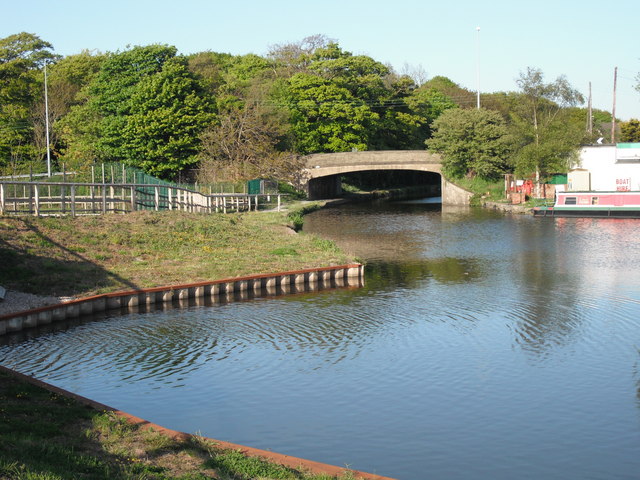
{"x":481,"y":346}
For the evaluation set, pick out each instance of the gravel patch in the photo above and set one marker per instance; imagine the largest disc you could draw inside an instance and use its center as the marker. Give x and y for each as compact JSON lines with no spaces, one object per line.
{"x":18,"y":302}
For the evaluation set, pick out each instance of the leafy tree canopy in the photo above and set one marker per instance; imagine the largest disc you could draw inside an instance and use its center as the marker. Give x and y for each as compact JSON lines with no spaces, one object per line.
{"x":630,"y":131}
{"x":327,"y":117}
{"x":472,"y":142}
{"x":545,"y":139}
{"x":22,"y":57}
{"x":459,"y":95}
{"x":144,"y":108}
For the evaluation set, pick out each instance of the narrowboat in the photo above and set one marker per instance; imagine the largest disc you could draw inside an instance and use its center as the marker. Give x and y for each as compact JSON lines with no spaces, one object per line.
{"x":593,"y":204}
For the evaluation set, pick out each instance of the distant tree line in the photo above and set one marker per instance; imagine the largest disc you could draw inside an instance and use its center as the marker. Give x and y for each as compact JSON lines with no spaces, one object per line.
{"x":237,"y":117}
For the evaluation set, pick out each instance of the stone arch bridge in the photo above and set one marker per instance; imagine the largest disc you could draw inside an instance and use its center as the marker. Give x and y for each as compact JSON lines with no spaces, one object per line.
{"x":322,"y":172}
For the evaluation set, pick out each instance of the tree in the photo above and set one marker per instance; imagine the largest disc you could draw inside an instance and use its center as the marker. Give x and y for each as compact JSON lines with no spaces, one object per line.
{"x":242,"y":145}
{"x":428,"y":104}
{"x":166,"y":116}
{"x":67,"y":82}
{"x":472,"y":142}
{"x":292,"y":58}
{"x":460,"y":96}
{"x":345,"y":102}
{"x":144,"y":108}
{"x":22,"y":57}
{"x":326,"y":117}
{"x":545,"y":141}
{"x":630,"y":131}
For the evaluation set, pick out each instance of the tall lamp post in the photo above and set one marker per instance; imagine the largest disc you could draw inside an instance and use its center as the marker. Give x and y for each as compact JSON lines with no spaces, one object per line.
{"x":478,"y":66}
{"x":46,"y":119}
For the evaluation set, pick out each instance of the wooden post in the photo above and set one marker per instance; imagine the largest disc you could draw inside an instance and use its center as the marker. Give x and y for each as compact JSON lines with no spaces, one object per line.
{"x":2,"y":207}
{"x":156,"y":196}
{"x":104,"y":194}
{"x":278,"y":202}
{"x":62,"y":193}
{"x":37,"y":190}
{"x":73,"y":200}
{"x":133,"y":197}
{"x":30,"y":198}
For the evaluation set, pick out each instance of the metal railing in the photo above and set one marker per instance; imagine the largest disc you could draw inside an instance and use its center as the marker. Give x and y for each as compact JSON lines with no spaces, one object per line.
{"x":54,"y":198}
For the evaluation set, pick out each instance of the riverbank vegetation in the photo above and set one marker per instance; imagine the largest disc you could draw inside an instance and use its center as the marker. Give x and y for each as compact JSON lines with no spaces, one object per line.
{"x":212,"y":116}
{"x":47,"y":436}
{"x":90,"y":255}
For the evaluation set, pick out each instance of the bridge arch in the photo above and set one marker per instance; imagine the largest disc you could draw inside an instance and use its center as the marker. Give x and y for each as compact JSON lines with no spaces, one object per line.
{"x":322,"y":172}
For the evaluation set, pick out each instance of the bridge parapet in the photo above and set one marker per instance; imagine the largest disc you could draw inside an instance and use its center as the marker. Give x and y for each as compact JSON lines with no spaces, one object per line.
{"x":378,"y":157}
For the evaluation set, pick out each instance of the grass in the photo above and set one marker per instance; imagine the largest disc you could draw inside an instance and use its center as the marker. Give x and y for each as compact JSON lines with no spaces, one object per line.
{"x":296,"y":215}
{"x":482,"y":189}
{"x":91,"y":255}
{"x":45,"y":436}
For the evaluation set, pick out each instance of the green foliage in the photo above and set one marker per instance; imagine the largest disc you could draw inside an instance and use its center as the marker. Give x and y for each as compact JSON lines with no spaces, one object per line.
{"x":472,"y":142}
{"x":146,"y":109}
{"x":630,"y":131}
{"x":341,"y":102}
{"x":545,"y":139}
{"x":296,"y":216}
{"x":326,"y":117}
{"x":22,"y":56}
{"x":234,"y":464}
{"x":459,"y":95}
{"x":243,"y":116}
{"x":167,"y":114}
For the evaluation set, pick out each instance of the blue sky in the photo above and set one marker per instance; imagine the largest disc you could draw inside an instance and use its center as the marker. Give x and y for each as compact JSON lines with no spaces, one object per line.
{"x":583,"y":40}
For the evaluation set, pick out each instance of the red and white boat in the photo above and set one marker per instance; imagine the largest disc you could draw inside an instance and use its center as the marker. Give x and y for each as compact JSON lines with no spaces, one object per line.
{"x":593,"y":204}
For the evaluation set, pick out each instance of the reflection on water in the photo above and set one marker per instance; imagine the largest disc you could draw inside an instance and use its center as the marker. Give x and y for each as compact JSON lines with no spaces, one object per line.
{"x":481,"y":346}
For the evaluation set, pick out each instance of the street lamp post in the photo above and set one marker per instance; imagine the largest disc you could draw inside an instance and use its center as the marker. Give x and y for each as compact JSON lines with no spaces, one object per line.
{"x":46,"y":119}
{"x":478,"y":66}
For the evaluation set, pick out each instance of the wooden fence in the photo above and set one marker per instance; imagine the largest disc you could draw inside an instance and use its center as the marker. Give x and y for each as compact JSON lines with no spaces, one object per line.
{"x":54,"y":198}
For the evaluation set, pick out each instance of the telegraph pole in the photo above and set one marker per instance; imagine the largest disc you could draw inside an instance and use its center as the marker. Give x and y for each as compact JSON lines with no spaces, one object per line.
{"x":613,"y":110}
{"x":590,"y":118}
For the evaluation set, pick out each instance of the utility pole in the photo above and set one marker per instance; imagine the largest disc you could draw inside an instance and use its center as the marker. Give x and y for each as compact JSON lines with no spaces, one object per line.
{"x":613,"y":110}
{"x":590,"y":113}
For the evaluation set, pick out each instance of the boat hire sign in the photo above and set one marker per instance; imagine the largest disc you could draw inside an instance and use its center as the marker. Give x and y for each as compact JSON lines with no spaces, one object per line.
{"x":623,"y":184}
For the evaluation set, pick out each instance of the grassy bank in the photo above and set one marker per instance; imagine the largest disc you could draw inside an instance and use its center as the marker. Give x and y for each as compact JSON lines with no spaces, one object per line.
{"x":90,"y":255}
{"x":483,"y":190}
{"x":45,"y":436}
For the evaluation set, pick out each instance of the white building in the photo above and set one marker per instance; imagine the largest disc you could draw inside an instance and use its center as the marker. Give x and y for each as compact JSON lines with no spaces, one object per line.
{"x":607,"y":168}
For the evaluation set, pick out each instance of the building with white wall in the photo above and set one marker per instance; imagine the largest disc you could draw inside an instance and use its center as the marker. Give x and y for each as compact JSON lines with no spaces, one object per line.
{"x":607,"y":168}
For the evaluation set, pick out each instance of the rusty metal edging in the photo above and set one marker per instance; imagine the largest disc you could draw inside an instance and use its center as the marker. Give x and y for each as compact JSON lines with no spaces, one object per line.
{"x":286,"y":281}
